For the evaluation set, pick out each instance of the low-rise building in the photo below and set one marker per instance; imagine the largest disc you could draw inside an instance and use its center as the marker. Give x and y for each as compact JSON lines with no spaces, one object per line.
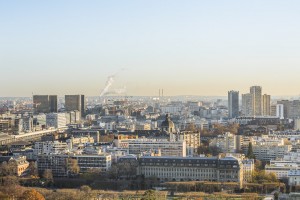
{"x":50,"y":147}
{"x":270,"y":152}
{"x":294,"y":177}
{"x":58,"y":163}
{"x":167,"y":148}
{"x":226,"y":142}
{"x":281,"y":168}
{"x":191,"y":138}
{"x":248,"y":169}
{"x":228,"y":169}
{"x":19,"y":163}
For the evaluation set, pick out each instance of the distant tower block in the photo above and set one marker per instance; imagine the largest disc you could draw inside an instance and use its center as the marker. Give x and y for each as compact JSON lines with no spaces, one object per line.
{"x":158,"y":92}
{"x":162,"y":92}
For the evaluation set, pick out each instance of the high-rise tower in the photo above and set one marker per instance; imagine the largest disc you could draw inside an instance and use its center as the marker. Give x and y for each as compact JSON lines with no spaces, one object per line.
{"x":75,"y":102}
{"x":233,"y":104}
{"x":255,"y":92}
{"x":44,"y":103}
{"x":266,"y":105}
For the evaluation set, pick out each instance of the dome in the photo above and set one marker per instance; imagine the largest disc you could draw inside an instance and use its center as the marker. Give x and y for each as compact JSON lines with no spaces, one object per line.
{"x":168,"y":125}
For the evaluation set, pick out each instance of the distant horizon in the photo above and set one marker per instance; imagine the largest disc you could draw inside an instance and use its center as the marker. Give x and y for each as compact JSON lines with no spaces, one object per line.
{"x":185,"y":47}
{"x":122,"y":96}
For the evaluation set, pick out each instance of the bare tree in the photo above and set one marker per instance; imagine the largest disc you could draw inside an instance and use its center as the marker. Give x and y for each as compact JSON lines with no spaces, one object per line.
{"x":48,"y":176}
{"x":73,"y":167}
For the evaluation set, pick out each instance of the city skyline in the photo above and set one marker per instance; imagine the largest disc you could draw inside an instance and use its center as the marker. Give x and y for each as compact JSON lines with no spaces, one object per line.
{"x":194,"y":48}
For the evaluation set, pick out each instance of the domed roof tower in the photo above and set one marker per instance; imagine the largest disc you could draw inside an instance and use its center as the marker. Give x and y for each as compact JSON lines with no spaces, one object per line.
{"x":168,"y":125}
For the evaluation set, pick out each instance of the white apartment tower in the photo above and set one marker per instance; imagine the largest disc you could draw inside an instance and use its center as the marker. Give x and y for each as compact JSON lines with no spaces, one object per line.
{"x":280,"y":111}
{"x":266,"y":105}
{"x":255,"y":92}
{"x":247,"y":104}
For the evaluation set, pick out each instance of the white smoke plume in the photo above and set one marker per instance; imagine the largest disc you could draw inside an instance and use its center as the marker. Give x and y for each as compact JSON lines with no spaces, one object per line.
{"x":108,"y":83}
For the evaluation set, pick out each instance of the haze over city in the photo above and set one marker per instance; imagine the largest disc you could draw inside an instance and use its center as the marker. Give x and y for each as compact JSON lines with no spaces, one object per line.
{"x":195,"y":48}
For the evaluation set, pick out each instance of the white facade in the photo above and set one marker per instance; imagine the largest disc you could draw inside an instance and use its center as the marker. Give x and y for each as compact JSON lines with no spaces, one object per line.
{"x":280,"y":111}
{"x":49,"y":147}
{"x":226,"y":142}
{"x":101,"y":162}
{"x":281,"y":168}
{"x":294,"y":177}
{"x":171,"y":109}
{"x":56,"y":120}
{"x":248,"y":169}
{"x":296,"y":124}
{"x":270,"y":152}
{"x":168,"y":148}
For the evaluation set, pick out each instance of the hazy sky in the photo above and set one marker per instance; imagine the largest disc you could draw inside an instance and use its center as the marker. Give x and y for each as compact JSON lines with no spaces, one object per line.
{"x":200,"y":47}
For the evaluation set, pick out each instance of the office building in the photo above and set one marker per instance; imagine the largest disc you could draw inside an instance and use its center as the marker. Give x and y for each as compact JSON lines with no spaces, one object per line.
{"x":58,"y":163}
{"x":44,"y":103}
{"x":266,"y":105}
{"x":256,"y":93}
{"x":75,"y":102}
{"x":228,"y":169}
{"x":168,"y":148}
{"x":49,"y":147}
{"x":233,"y":104}
{"x":56,"y":120}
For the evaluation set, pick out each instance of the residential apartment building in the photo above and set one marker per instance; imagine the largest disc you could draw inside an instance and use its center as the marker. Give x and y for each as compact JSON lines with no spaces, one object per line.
{"x":265,"y":152}
{"x":266,"y":105}
{"x":294,"y":177}
{"x":247,"y":104}
{"x":226,"y":142}
{"x":281,"y":168}
{"x":248,"y":169}
{"x":192,"y":140}
{"x":56,"y":120}
{"x":256,"y":93}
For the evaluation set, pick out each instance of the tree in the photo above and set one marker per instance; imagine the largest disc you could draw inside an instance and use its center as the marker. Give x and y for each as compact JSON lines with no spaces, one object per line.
{"x":250,"y":154}
{"x":32,"y":169}
{"x":32,"y":195}
{"x":4,"y":169}
{"x":13,"y":167}
{"x":48,"y":176}
{"x":149,"y":195}
{"x":10,"y":181}
{"x":73,"y":167}
{"x":86,"y":191}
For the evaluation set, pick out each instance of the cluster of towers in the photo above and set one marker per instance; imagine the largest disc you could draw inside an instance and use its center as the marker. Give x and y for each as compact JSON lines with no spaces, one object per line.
{"x":253,"y":103}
